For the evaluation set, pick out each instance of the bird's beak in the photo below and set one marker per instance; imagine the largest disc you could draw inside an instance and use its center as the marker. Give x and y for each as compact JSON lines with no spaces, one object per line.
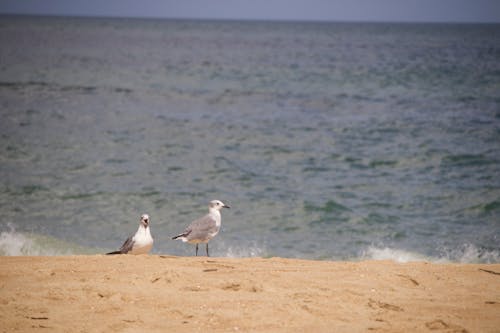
{"x":226,"y":206}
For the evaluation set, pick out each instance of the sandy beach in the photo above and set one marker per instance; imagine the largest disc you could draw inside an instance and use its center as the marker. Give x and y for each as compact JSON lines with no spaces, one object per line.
{"x":175,"y":294}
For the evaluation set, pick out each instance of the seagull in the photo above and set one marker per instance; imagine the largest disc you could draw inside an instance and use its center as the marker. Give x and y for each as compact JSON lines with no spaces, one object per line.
{"x":205,"y":228}
{"x":141,"y":242}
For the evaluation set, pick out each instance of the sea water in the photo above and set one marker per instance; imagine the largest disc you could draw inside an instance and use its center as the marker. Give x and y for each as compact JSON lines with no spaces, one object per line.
{"x":335,"y":141}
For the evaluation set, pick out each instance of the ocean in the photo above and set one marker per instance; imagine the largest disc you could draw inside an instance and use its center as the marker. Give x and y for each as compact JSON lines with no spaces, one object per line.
{"x":330,"y":141}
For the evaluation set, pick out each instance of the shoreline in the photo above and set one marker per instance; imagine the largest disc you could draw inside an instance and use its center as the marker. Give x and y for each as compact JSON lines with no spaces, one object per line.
{"x":157,"y":293}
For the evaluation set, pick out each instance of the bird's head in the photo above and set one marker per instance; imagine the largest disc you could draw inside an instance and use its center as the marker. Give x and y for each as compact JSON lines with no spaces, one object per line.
{"x":217,"y":205}
{"x":145,"y":220}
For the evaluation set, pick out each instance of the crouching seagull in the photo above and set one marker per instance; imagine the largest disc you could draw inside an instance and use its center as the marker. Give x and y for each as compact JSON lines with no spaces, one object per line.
{"x":141,"y":242}
{"x":205,"y":228}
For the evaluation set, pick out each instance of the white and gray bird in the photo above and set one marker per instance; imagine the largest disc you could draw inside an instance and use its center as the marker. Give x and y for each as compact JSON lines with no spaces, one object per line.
{"x":141,"y":242}
{"x":205,"y":228}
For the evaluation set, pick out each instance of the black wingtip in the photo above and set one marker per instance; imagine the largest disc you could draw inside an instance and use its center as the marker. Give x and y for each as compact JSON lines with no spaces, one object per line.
{"x":181,"y":235}
{"x":114,"y":252}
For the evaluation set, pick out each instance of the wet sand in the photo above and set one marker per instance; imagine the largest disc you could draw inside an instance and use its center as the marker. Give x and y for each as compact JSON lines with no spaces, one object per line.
{"x":178,"y":294}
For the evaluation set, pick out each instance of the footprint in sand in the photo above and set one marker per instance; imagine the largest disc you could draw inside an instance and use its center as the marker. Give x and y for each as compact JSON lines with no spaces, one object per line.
{"x":439,"y":324}
{"x":386,"y":306}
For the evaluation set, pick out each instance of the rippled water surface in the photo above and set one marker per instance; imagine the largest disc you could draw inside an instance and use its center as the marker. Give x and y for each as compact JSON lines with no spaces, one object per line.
{"x":329,"y":141}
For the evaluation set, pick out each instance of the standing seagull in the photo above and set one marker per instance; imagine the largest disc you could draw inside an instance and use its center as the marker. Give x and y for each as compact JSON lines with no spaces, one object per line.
{"x":205,"y":228}
{"x":141,"y":242}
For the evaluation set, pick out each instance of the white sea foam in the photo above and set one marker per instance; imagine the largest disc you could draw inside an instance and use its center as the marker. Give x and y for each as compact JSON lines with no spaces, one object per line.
{"x":469,"y":253}
{"x":13,"y":243}
{"x":243,"y":252}
{"x":239,"y":251}
{"x":466,"y":253}
{"x":386,"y":253}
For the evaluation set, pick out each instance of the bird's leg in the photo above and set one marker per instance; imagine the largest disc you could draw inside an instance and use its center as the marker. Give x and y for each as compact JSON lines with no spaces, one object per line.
{"x":207,"y":251}
{"x":196,"y":249}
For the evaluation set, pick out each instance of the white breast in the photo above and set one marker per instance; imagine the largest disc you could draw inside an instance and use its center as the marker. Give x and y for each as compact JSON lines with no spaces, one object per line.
{"x":143,"y":241}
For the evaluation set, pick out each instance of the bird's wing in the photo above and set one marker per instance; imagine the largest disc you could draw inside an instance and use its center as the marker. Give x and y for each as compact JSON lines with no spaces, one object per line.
{"x":127,"y":245}
{"x":202,"y":228}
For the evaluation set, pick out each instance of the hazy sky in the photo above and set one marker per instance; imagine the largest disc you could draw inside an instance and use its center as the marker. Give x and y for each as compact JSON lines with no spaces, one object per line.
{"x":325,"y":10}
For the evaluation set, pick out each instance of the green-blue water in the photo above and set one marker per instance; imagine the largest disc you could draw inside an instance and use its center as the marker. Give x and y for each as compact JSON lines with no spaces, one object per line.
{"x":328,"y":140}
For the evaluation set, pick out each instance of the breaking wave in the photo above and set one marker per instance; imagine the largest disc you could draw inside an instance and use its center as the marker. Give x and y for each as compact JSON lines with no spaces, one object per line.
{"x":467,"y":253}
{"x":13,"y":243}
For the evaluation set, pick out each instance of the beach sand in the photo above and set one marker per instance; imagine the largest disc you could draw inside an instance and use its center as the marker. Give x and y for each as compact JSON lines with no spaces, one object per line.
{"x":151,"y":293}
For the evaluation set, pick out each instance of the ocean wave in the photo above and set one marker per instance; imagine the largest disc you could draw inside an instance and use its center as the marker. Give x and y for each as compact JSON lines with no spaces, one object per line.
{"x":386,"y":253}
{"x":19,"y":85}
{"x":244,"y":251}
{"x":233,"y":252}
{"x":13,"y":243}
{"x":466,"y":253}
{"x":469,"y":253}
